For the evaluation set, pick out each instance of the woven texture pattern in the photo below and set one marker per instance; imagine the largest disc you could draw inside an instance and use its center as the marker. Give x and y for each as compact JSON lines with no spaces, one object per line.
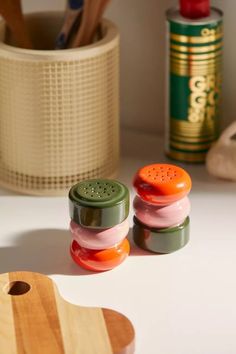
{"x":59,"y":116}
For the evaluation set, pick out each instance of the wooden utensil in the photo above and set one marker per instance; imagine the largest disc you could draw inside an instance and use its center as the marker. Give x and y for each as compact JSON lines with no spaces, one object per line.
{"x":78,"y":40}
{"x":73,"y":10}
{"x":36,"y":320}
{"x":92,"y":15}
{"x":12,"y":13}
{"x":94,"y":9}
{"x":104,"y":4}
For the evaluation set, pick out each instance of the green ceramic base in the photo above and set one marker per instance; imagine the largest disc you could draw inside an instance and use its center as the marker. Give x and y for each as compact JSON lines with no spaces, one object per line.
{"x":161,"y":240}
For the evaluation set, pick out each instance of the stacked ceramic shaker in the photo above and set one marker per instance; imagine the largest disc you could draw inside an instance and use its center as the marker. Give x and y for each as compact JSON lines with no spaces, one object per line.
{"x":162,"y":207}
{"x":99,"y":209}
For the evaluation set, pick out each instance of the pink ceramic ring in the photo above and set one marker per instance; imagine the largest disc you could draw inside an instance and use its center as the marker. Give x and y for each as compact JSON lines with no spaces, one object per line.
{"x":161,"y":216}
{"x":98,"y":239}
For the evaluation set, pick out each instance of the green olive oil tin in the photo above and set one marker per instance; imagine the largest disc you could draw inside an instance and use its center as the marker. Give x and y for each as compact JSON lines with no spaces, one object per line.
{"x":194,"y":85}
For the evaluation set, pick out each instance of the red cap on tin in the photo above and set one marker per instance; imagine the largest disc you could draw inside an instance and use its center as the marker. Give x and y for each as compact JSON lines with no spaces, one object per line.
{"x":195,"y":9}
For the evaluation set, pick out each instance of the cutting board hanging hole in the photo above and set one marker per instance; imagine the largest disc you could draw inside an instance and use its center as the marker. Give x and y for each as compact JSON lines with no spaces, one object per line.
{"x":16,"y":288}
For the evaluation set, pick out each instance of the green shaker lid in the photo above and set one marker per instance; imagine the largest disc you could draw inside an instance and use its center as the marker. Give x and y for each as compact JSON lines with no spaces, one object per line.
{"x":99,"y":203}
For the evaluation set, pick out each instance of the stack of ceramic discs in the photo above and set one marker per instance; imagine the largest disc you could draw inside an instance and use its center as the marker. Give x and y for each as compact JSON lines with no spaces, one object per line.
{"x":162,"y":206}
{"x":99,"y":209}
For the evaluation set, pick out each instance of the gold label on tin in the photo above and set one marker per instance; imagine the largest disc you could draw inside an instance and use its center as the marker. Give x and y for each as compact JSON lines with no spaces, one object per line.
{"x":195,"y":66}
{"x":207,"y":32}
{"x":204,"y":97}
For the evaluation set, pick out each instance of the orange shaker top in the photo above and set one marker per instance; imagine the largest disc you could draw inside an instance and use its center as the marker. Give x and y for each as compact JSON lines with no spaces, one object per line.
{"x":162,"y":184}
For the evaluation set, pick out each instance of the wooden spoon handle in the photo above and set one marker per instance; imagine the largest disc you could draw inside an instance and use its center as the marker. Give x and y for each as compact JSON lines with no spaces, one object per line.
{"x":98,"y":12}
{"x":84,"y":22}
{"x":71,"y":16}
{"x":20,"y":35}
{"x":12,"y":12}
{"x":92,"y":19}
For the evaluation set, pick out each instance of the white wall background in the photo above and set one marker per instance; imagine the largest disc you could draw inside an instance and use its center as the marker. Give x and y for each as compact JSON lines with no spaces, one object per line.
{"x":142,"y":28}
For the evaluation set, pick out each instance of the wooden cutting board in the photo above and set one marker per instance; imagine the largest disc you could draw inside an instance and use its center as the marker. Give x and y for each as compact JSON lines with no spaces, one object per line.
{"x":34,"y":319}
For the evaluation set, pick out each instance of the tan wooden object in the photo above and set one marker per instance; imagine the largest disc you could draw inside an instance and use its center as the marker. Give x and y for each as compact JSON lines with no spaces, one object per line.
{"x":36,"y":320}
{"x":91,"y":17}
{"x":78,"y":40}
{"x":12,"y":13}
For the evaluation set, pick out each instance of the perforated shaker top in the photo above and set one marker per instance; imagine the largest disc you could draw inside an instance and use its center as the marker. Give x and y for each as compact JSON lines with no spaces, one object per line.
{"x":162,"y":183}
{"x":103,"y":201}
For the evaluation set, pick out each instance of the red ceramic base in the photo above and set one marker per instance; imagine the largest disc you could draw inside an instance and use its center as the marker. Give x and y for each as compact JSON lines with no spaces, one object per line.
{"x":99,"y":260}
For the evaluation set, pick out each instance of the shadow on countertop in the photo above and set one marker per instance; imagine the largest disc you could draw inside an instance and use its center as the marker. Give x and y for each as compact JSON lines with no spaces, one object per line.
{"x":46,"y":251}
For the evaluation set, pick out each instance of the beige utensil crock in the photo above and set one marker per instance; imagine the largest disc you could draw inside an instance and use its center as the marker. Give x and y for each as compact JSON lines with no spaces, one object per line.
{"x":59,"y":109}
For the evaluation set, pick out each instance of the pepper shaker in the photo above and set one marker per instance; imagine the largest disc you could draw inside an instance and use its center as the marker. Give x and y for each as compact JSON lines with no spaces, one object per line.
{"x":162,"y":207}
{"x":99,"y":209}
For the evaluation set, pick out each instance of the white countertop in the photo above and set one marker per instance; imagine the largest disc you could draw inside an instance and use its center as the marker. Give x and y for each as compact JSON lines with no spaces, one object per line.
{"x":181,"y":303}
